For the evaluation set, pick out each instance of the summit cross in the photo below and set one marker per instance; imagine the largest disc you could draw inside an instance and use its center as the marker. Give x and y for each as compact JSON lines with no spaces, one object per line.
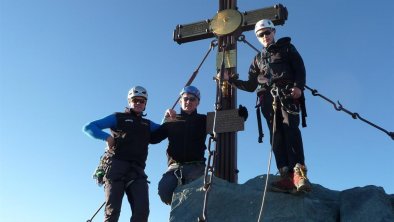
{"x":227,"y":25}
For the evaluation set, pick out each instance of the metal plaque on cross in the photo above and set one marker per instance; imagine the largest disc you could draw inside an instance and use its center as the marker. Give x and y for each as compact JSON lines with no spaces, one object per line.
{"x":226,"y":121}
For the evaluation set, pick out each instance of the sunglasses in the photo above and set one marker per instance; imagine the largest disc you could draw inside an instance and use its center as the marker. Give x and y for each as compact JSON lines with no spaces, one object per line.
{"x":261,"y":34}
{"x":140,"y":101}
{"x":191,"y":99}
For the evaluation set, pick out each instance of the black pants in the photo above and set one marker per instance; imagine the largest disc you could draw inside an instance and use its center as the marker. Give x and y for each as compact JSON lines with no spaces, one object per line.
{"x":288,"y":147}
{"x":122,"y":178}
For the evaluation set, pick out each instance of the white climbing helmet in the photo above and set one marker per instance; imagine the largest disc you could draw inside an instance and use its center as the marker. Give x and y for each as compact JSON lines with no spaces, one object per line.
{"x":137,"y":91}
{"x":262,"y":24}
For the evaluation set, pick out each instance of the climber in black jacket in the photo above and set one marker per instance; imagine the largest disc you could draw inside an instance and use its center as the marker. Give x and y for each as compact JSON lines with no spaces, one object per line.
{"x":279,"y":69}
{"x":186,"y":133}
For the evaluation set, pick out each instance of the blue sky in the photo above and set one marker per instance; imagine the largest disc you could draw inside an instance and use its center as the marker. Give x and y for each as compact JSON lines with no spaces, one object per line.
{"x":64,"y":63}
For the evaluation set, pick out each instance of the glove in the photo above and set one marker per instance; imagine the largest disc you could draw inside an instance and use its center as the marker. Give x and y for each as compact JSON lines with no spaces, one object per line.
{"x":243,"y":112}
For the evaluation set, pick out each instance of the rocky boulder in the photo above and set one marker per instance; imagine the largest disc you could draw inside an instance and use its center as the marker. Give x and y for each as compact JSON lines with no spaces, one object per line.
{"x":242,"y":202}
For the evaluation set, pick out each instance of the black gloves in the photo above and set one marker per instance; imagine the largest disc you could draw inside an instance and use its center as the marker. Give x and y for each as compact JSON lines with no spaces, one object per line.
{"x":243,"y":112}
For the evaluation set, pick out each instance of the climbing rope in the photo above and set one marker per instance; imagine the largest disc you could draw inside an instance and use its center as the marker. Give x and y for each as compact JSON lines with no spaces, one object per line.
{"x":338,"y":107}
{"x":275,"y":95}
{"x":193,"y":76}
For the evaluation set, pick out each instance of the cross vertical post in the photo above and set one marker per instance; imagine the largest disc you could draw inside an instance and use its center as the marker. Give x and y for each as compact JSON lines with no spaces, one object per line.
{"x":226,"y":143}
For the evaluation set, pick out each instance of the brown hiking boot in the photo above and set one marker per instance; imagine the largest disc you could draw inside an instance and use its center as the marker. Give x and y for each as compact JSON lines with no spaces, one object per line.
{"x":300,"y":180}
{"x":285,"y":184}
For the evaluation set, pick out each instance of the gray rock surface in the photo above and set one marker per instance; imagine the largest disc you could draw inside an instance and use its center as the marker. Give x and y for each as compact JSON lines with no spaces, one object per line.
{"x":231,"y":202}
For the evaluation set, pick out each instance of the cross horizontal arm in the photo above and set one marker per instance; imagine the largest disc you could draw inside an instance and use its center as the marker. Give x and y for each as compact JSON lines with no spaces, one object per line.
{"x":192,"y":32}
{"x":277,"y":14}
{"x":202,"y":30}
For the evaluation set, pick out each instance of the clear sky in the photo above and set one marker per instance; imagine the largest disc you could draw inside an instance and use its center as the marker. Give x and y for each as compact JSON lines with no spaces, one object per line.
{"x":64,"y":63}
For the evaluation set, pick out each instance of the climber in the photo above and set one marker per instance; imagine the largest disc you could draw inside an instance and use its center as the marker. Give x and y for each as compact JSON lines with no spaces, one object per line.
{"x":128,"y":141}
{"x":186,"y":133}
{"x":279,"y":66}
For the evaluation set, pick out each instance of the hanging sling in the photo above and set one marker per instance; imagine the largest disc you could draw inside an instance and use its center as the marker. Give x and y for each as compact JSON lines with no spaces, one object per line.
{"x":258,"y":115}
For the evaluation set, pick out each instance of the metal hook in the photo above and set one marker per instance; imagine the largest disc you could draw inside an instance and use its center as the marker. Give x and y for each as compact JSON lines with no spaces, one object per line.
{"x":241,"y":38}
{"x":214,"y":43}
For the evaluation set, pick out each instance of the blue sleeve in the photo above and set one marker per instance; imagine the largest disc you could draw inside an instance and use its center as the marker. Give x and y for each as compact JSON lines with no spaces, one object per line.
{"x":153,"y":126}
{"x":96,"y":128}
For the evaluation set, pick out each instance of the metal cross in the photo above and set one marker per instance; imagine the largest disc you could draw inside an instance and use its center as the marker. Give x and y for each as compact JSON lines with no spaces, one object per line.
{"x":226,"y":26}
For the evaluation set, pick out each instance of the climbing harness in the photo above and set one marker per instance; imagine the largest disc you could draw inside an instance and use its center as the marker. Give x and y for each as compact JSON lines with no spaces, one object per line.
{"x":338,"y":107}
{"x":98,"y":210}
{"x":275,"y":95}
{"x":102,"y":168}
{"x":286,"y":100}
{"x":193,"y":76}
{"x":101,"y":171}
